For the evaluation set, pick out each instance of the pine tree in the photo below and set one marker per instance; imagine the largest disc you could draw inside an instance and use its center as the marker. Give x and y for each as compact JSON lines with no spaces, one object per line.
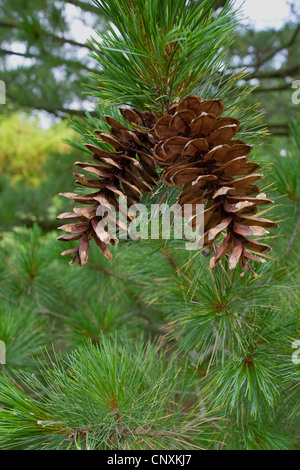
{"x":165,"y":353}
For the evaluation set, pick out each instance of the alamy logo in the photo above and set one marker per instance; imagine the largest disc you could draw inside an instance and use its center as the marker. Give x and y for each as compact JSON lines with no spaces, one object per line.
{"x":296,"y":355}
{"x":2,"y":92}
{"x":296,"y":94}
{"x":160,"y":221}
{"x":2,"y":353}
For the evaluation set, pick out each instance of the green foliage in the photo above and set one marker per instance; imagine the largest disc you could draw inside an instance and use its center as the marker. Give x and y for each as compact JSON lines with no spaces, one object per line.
{"x":23,"y":334}
{"x":75,"y":304}
{"x":270,"y":56}
{"x":25,"y":147}
{"x":254,"y":436}
{"x":248,"y":378}
{"x":103,"y":397}
{"x":154,"y":54}
{"x":160,"y":51}
{"x":288,"y":182}
{"x":219,"y":312}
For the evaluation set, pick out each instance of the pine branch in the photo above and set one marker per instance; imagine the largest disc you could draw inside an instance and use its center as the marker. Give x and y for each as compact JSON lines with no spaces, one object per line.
{"x":164,"y":57}
{"x":83,"y":406}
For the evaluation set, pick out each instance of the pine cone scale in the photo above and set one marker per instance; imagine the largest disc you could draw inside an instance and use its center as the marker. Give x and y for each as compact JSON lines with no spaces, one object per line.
{"x":127,"y":170}
{"x":198,"y":151}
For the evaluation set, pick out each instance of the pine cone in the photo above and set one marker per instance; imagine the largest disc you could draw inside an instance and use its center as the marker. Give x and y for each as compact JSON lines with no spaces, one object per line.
{"x":118,"y":173}
{"x":197,"y":152}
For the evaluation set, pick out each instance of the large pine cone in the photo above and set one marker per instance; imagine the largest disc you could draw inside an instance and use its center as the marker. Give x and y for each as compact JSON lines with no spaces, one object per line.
{"x":128,"y":170}
{"x":197,"y":152}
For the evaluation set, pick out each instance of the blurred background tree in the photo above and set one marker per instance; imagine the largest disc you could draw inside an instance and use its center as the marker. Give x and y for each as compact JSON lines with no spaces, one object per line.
{"x":43,"y":62}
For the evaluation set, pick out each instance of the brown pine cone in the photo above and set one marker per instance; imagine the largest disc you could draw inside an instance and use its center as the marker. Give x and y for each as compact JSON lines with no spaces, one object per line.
{"x":197,"y":151}
{"x":128,"y":170}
